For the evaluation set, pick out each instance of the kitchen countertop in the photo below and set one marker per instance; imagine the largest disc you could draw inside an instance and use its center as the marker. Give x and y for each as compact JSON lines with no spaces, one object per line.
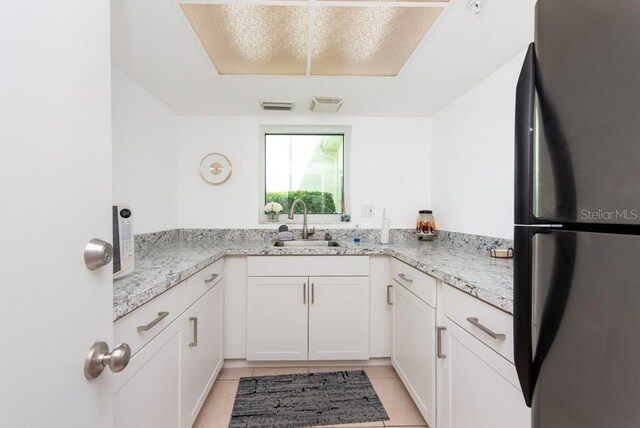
{"x":166,"y":265}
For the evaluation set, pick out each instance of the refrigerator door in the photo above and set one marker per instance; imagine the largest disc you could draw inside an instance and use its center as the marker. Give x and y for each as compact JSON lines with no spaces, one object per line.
{"x":586,"y":162}
{"x":585,"y":319}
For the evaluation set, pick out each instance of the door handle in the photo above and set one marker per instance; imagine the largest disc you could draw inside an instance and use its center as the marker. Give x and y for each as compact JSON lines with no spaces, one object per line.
{"x":97,"y":253}
{"x":405,"y":278}
{"x":211,"y":278}
{"x":160,"y":317}
{"x":440,"y":330}
{"x":313,"y":293}
{"x":494,"y":335}
{"x":389,"y":302}
{"x":99,"y":357}
{"x":195,"y":331}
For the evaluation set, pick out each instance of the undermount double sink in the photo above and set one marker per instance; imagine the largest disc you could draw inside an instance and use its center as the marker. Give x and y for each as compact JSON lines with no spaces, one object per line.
{"x":305,"y":243}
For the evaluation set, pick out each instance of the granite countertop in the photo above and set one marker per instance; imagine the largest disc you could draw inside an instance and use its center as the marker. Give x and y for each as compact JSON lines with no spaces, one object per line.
{"x":166,"y":265}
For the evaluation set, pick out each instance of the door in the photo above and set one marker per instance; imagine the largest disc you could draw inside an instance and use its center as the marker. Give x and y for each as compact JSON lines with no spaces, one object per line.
{"x":413,"y":352}
{"x":585,"y":158}
{"x":55,"y":186}
{"x":479,"y":387}
{"x":339,"y":318}
{"x":277,"y":315}
{"x":577,"y":350}
{"x":148,"y":393}
{"x":203,"y":348}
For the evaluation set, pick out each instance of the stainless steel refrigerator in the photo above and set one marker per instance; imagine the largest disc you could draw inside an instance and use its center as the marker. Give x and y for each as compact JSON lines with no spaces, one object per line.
{"x":577,"y":215}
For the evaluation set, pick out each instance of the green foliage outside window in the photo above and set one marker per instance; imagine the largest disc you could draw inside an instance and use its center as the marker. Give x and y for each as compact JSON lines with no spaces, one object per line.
{"x":317,"y":202}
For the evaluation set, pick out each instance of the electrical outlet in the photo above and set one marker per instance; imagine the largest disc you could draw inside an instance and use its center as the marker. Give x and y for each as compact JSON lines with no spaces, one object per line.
{"x":368,"y":211}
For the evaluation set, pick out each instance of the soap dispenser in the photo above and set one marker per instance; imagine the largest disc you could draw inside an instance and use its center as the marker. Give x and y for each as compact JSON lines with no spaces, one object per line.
{"x":356,"y":236}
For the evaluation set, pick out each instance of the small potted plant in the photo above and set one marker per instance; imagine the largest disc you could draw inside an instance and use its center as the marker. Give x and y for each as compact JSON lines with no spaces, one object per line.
{"x":272,"y":209}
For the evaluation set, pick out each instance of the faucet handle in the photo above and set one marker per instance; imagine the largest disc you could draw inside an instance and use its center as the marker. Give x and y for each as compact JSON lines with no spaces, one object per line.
{"x":327,"y":236}
{"x":312,"y":231}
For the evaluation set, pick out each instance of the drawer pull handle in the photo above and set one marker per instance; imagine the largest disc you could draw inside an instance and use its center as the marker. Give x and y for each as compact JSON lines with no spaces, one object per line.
{"x":211,"y":278}
{"x":160,"y":317}
{"x":389,"y":302}
{"x":494,"y":335}
{"x":304,"y":293}
{"x":405,"y":278}
{"x":195,"y":331}
{"x":313,"y":293}
{"x":440,"y":354}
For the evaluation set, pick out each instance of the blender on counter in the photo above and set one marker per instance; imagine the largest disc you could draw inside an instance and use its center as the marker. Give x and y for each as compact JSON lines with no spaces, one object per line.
{"x":426,"y":225}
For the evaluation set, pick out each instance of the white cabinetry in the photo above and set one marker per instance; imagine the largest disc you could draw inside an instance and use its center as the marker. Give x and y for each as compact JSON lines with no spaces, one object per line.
{"x":307,"y":307}
{"x":339,"y":318}
{"x":413,"y":352}
{"x":204,"y":347}
{"x":479,"y":387}
{"x":379,"y":307}
{"x":178,"y":354}
{"x":277,"y":316}
{"x":148,"y":392}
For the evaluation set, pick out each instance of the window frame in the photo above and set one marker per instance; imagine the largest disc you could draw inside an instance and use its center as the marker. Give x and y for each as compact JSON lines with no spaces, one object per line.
{"x":344,"y":130}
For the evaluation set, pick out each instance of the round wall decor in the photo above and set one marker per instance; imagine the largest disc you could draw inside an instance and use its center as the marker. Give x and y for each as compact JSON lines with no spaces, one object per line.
{"x":215,"y":168}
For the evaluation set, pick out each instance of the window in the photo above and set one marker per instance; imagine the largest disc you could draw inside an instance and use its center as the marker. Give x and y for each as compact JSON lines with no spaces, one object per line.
{"x":308,"y":163}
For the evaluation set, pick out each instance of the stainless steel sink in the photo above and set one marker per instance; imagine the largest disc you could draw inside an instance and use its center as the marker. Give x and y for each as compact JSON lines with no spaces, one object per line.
{"x":302,"y":243}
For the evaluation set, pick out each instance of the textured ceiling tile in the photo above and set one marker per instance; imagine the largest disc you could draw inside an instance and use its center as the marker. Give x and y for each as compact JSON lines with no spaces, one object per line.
{"x":380,"y":1}
{"x":252,"y":39}
{"x":367,"y":41}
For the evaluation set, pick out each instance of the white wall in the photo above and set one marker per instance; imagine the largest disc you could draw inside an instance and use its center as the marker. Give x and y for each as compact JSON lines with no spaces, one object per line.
{"x":390,"y":162}
{"x":144,"y":156}
{"x":472,"y":157}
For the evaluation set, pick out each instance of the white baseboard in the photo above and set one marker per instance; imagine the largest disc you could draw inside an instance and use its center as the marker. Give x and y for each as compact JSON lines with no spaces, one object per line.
{"x":237,"y":363}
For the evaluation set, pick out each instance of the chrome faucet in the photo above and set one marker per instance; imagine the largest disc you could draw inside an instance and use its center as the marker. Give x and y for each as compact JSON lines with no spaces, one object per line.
{"x":305,"y":231}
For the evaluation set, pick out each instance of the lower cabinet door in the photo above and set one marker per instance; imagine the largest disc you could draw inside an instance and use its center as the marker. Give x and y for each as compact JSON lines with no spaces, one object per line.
{"x":147,"y":393}
{"x":203,"y":348}
{"x":277,"y":318}
{"x":413,"y":352}
{"x":479,"y":387}
{"x":339,"y":318}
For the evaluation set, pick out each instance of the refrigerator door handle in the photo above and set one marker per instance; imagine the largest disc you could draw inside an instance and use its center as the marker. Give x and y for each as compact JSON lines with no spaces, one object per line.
{"x":565,"y":247}
{"x":524,"y":139}
{"x":522,"y":310}
{"x":528,"y":365}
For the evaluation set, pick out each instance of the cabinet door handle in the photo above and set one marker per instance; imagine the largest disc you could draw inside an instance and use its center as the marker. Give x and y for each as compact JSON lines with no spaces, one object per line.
{"x":389,"y":302}
{"x":494,"y":335}
{"x":313,"y":293}
{"x":195,"y":331}
{"x":405,"y":278}
{"x":304,"y":293}
{"x":440,"y":331}
{"x":161,"y":315}
{"x":211,"y":278}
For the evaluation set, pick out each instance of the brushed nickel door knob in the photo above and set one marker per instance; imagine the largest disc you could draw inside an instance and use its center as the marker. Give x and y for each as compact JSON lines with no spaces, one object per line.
{"x":97,"y":253}
{"x":99,"y":357}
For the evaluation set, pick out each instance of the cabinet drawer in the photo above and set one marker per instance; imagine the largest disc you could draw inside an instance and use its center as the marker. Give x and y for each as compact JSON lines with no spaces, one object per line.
{"x":125,"y":330}
{"x":308,"y":266}
{"x":480,"y":319}
{"x":203,"y":281}
{"x":420,"y":284}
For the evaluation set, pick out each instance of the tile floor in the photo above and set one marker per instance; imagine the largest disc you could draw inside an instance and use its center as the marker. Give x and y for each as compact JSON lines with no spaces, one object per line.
{"x":402,"y":412}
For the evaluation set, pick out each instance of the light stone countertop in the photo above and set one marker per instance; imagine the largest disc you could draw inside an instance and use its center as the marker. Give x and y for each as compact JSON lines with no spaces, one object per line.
{"x":166,"y":265}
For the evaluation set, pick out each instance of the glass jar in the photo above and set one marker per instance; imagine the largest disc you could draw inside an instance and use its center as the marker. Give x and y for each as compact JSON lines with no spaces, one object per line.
{"x":426,"y":225}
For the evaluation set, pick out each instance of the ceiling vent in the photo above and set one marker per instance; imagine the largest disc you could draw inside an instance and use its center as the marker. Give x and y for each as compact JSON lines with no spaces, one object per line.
{"x":277,"y":106}
{"x":326,"y":104}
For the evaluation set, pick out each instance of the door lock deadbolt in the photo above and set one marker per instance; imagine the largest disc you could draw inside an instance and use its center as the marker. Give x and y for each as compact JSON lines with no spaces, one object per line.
{"x":97,"y":253}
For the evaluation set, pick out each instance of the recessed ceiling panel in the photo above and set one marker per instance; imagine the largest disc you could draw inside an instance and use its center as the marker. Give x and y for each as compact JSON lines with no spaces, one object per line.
{"x":408,"y":1}
{"x":252,"y":39}
{"x":368,"y":41}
